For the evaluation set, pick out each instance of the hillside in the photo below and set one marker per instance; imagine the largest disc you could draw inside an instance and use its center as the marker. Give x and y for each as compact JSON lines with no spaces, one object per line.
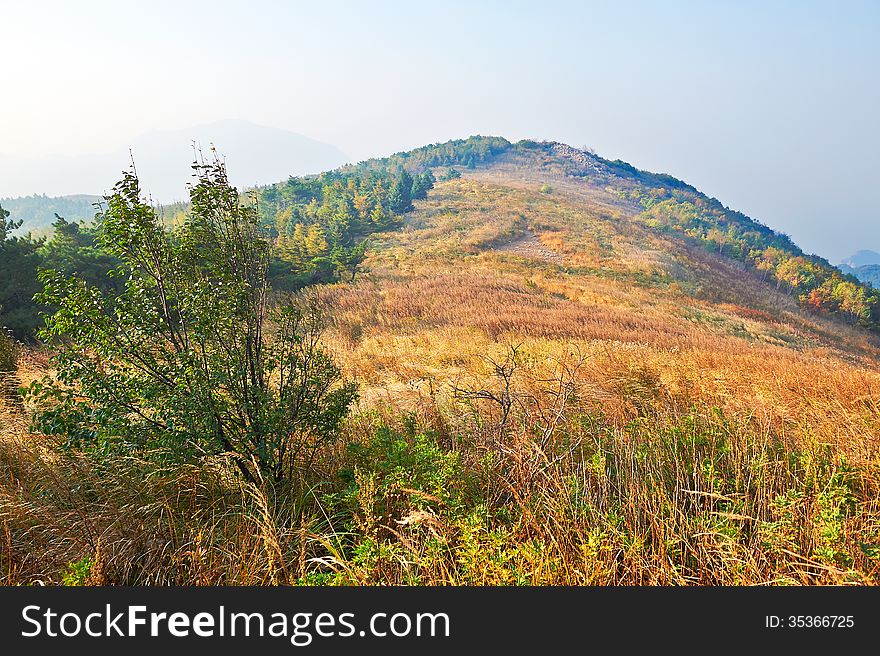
{"x":545,"y":247}
{"x":568,"y":370}
{"x":37,"y":212}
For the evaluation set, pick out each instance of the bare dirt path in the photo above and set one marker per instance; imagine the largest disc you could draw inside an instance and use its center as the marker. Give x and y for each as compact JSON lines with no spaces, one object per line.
{"x":529,"y":245}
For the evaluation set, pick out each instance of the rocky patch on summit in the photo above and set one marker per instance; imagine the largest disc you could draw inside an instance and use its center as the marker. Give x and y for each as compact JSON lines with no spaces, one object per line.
{"x":584,"y":161}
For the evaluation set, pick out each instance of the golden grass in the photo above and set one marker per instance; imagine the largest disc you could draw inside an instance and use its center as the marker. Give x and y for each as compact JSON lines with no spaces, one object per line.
{"x":672,"y":420}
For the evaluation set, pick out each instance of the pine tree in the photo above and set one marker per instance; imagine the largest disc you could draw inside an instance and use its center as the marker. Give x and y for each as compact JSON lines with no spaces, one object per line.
{"x":421,"y":184}
{"x":378,"y":218}
{"x":19,"y":259}
{"x":400,"y":198}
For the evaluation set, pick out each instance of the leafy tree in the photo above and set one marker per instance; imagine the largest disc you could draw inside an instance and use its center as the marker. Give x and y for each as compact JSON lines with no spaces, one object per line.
{"x":451,"y":174}
{"x":189,"y":359}
{"x":347,"y":261}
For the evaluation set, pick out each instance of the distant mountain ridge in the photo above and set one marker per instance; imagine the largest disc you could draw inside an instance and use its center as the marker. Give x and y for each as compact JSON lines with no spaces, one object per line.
{"x":864,"y":265}
{"x":867,"y":273}
{"x":862,"y":258}
{"x":38,"y":211}
{"x":256,"y":154}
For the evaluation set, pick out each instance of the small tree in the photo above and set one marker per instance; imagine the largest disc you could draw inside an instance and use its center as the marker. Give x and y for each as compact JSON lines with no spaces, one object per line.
{"x":400,"y":198}
{"x":422,"y":184}
{"x":189,"y":358}
{"x":8,"y":365}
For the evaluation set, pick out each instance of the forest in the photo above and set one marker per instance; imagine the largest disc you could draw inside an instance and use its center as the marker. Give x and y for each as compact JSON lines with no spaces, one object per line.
{"x":42,"y":210}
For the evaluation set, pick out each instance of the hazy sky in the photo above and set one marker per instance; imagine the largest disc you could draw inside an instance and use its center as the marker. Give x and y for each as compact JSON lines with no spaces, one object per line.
{"x":770,"y":106}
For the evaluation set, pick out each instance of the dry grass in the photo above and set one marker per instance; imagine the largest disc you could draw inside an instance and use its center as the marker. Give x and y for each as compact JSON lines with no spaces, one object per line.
{"x":670,"y":420}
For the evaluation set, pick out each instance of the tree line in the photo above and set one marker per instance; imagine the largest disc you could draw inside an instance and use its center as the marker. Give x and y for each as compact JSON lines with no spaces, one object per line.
{"x":319,"y":227}
{"x":812,"y":280}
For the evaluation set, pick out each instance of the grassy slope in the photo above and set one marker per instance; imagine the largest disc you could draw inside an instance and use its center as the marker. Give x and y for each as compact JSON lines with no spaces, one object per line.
{"x":673,"y":420}
{"x":445,"y":291}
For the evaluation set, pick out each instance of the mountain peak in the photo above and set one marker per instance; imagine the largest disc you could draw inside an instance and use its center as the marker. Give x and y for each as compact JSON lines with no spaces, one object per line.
{"x":862,"y":258}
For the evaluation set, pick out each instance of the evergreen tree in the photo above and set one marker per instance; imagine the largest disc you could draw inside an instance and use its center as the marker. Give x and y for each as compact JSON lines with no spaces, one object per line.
{"x":316,"y":242}
{"x":74,"y":250}
{"x":421,"y":184}
{"x":19,"y":259}
{"x":379,"y":219}
{"x":400,"y":198}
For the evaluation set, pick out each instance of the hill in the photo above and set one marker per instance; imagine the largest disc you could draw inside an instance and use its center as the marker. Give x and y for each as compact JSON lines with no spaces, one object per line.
{"x":552,"y":247}
{"x":257,"y":155}
{"x":862,"y":258}
{"x":570,"y":371}
{"x":867,"y":273}
{"x":864,"y":265}
{"x":37,"y":213}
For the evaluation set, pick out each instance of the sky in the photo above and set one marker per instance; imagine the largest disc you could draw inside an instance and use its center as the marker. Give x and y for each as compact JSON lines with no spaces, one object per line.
{"x":772,"y":107}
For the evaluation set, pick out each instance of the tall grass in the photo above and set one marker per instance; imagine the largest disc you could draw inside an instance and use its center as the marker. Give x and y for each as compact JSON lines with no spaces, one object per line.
{"x":668,"y":420}
{"x":696,"y":498}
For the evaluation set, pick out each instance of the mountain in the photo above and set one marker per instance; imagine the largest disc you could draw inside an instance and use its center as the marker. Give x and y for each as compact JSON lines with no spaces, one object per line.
{"x":866,"y":273}
{"x":256,"y":155}
{"x":569,"y":371}
{"x":864,"y":265}
{"x":862,"y":258}
{"x":648,"y":229}
{"x":618,"y":360}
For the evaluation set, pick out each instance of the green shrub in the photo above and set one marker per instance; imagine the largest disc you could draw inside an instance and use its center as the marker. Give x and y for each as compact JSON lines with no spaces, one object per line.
{"x":78,"y":573}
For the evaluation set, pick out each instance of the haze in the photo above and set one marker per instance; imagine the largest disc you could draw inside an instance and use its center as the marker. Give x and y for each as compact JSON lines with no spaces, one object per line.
{"x":772,"y":109}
